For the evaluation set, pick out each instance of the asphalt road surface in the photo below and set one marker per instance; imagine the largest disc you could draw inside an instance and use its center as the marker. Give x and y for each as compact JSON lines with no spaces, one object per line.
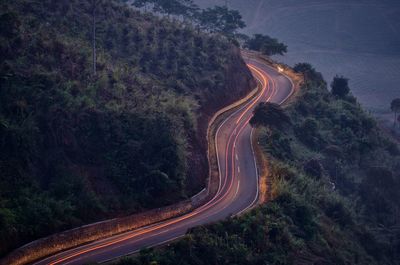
{"x":238,"y":187}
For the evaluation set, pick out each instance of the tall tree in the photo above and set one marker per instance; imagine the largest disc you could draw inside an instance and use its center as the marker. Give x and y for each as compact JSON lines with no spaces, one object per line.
{"x":395,"y":107}
{"x":185,"y":8}
{"x":95,"y":4}
{"x":189,"y":9}
{"x":306,"y":69}
{"x":270,"y":115}
{"x":266,"y":45}
{"x":220,"y":19}
{"x":141,"y":3}
{"x":340,"y":86}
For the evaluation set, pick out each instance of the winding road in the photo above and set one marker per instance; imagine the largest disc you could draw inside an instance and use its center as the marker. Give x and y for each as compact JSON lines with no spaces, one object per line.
{"x":238,"y":187}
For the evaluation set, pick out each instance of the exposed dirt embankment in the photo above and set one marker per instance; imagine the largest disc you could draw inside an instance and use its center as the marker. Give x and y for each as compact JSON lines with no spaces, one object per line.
{"x":263,"y":162}
{"x":238,"y":83}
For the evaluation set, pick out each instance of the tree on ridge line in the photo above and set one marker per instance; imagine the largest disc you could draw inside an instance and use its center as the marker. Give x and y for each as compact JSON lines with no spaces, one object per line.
{"x":395,"y":107}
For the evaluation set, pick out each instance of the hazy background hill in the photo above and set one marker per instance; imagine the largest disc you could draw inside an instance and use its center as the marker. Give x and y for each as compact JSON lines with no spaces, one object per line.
{"x":357,"y":38}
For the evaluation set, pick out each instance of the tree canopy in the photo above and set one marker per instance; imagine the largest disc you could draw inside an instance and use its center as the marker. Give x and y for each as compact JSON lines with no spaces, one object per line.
{"x":340,"y":86}
{"x":395,"y":105}
{"x":269,"y":114}
{"x":217,"y":19}
{"x":185,"y":8}
{"x":307,"y":70}
{"x":266,"y":45}
{"x":335,"y":204}
{"x":220,"y":19}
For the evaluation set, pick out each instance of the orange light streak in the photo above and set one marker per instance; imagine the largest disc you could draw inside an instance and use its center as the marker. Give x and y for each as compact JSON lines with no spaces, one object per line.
{"x":214,"y":201}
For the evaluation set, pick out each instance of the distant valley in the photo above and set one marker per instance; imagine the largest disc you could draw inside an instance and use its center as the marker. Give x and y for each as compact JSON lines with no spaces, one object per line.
{"x":358,"y":39}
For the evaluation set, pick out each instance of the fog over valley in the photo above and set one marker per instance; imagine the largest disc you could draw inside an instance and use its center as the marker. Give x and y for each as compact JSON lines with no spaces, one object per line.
{"x":359,"y":39}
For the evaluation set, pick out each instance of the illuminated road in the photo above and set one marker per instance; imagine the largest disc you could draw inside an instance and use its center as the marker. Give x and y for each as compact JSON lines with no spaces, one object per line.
{"x":238,"y":188}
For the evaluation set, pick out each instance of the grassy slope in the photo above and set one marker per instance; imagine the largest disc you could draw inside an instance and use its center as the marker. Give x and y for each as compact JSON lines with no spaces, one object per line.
{"x":75,"y":148}
{"x":310,"y":220}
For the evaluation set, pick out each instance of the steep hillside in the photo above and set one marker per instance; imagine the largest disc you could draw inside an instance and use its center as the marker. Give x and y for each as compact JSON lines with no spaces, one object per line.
{"x":335,"y":200}
{"x":78,"y":147}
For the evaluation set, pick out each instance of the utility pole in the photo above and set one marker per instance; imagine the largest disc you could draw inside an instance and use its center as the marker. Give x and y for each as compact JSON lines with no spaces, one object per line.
{"x":94,"y":5}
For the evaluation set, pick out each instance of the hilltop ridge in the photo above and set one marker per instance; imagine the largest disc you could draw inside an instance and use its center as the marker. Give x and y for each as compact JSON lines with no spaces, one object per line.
{"x":78,"y":147}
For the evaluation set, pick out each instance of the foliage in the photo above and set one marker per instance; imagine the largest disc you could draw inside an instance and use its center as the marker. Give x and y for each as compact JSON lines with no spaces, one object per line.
{"x":218,"y":19}
{"x":308,"y":133}
{"x":308,"y":71}
{"x":266,"y":45}
{"x":77,"y":148}
{"x":335,"y":201}
{"x":313,"y":168}
{"x":270,"y":115}
{"x":221,"y":20}
{"x":215,"y":20}
{"x":340,"y":86}
{"x":185,"y":8}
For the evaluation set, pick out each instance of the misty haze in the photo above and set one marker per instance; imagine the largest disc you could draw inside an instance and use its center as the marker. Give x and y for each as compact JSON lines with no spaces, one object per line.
{"x":199,"y":132}
{"x":356,"y":38}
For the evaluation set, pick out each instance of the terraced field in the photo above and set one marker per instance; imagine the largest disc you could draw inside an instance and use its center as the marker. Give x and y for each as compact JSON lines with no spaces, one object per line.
{"x":357,"y":38}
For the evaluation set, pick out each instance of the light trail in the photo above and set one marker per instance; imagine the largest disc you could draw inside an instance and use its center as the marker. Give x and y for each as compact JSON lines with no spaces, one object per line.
{"x":226,"y":195}
{"x":216,"y":199}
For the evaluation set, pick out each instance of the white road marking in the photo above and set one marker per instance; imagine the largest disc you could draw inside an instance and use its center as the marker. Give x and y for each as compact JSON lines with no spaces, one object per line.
{"x":257,"y":176}
{"x":219,"y":188}
{"x":216,"y":144}
{"x":237,"y":189}
{"x":252,"y":148}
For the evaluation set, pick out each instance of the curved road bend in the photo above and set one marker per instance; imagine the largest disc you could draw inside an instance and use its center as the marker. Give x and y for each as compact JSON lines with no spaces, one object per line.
{"x":238,"y":189}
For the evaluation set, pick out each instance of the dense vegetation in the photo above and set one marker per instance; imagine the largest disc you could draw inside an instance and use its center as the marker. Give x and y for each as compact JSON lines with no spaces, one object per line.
{"x":77,"y":147}
{"x":335,"y":182}
{"x":218,"y":19}
{"x":266,"y":45}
